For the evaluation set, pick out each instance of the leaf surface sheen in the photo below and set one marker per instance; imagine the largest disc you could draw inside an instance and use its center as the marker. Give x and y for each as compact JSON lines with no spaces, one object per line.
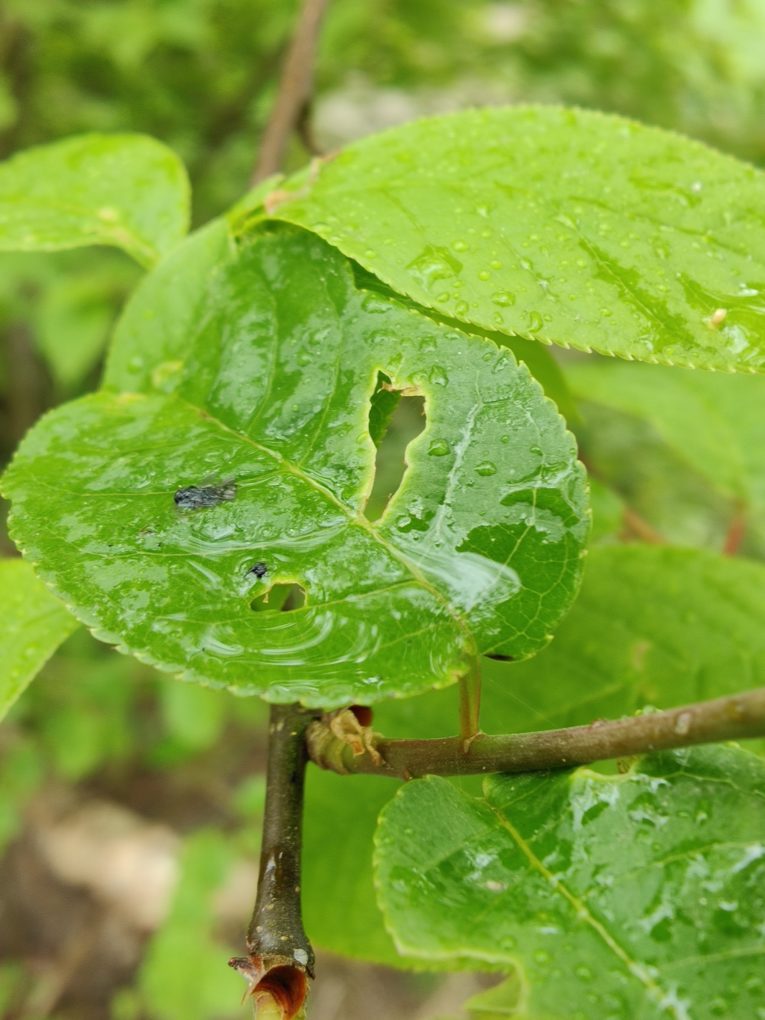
{"x":264,"y":403}
{"x":567,"y":226}
{"x":33,"y":623}
{"x":635,"y":897}
{"x":129,"y":191}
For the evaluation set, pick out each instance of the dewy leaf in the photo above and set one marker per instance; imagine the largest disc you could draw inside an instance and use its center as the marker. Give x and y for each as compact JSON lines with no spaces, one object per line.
{"x":563,"y":225}
{"x":129,"y":191}
{"x":639,"y":896}
{"x":166,"y":516}
{"x":33,"y":623}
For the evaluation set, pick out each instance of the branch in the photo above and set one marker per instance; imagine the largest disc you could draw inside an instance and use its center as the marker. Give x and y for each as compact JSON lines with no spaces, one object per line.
{"x":639,"y":527}
{"x":737,"y":717}
{"x":736,"y":532}
{"x":294,"y":94}
{"x":280,"y":956}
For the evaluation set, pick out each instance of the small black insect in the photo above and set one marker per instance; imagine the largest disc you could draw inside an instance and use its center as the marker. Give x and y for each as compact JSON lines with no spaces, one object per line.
{"x":194,"y":497}
{"x":259,"y":569}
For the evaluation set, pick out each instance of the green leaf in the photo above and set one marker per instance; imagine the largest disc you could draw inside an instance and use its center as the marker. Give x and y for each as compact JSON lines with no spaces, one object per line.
{"x":607,"y":512}
{"x":651,"y":626}
{"x":129,"y":191}
{"x":712,"y":422}
{"x":75,"y":313}
{"x":196,"y":989}
{"x":256,"y":419}
{"x":568,"y":226}
{"x":33,"y":623}
{"x":166,"y":308}
{"x":637,"y":896}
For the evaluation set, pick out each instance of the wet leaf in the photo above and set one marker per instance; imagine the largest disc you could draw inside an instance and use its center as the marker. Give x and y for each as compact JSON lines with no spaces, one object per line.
{"x":637,"y":896}
{"x":129,"y":191}
{"x":33,"y":623}
{"x":563,"y":225}
{"x":262,"y":407}
{"x":650,"y":626}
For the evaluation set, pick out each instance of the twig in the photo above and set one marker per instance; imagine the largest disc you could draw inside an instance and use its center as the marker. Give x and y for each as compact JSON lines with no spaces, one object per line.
{"x":294,"y":90}
{"x":639,"y":527}
{"x":736,"y":532}
{"x":739,"y":716}
{"x":280,"y":955}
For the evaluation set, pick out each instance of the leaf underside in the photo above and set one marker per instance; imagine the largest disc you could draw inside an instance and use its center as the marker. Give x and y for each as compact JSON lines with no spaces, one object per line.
{"x":635,"y":897}
{"x":255,"y":422}
{"x":572,"y":227}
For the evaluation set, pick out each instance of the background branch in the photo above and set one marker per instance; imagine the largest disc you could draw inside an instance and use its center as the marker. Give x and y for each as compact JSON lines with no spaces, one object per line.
{"x":739,"y":716}
{"x":290,"y":109}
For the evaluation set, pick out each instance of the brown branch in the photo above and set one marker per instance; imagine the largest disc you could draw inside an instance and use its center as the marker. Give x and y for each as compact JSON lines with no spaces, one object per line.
{"x":736,"y":532}
{"x":737,"y":717}
{"x":295,"y":85}
{"x":280,"y":956}
{"x":640,"y":527}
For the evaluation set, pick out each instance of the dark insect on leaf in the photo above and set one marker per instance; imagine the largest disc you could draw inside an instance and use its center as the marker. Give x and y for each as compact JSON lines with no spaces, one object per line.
{"x":195,"y":497}
{"x":259,"y":569}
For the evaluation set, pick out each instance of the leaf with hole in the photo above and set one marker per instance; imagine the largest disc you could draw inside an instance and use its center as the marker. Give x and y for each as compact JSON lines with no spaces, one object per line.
{"x":563,"y":225}
{"x":637,"y":896}
{"x":33,"y":623}
{"x":261,"y":412}
{"x":129,"y":191}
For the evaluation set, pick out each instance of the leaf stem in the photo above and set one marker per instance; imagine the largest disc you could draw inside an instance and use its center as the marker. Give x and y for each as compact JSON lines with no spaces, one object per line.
{"x":280,"y":955}
{"x":739,"y":716}
{"x":470,"y":704}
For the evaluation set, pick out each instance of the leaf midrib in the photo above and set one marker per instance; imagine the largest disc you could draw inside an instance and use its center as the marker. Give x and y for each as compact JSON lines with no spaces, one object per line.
{"x":632,"y":967}
{"x":357,"y":519}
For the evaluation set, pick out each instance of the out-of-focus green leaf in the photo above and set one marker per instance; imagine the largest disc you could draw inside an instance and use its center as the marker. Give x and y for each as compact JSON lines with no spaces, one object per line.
{"x":250,"y":446}
{"x":73,"y":323}
{"x":563,"y":225}
{"x":712,"y":422}
{"x":637,"y":896}
{"x":193,"y":716}
{"x":607,"y":511}
{"x":129,"y":191}
{"x":33,"y":623}
{"x":184,"y":973}
{"x":652,"y":626}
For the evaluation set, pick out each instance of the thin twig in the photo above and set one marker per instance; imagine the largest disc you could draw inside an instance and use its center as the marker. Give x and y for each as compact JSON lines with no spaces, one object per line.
{"x":295,"y":88}
{"x":280,"y":955}
{"x":640,"y":527}
{"x":736,"y":532}
{"x":737,"y":717}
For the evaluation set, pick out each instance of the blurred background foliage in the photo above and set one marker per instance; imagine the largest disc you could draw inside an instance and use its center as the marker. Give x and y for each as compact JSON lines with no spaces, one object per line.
{"x":99,"y":744}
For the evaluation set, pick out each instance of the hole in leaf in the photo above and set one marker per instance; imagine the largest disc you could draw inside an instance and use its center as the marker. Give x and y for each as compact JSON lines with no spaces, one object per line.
{"x":279,"y":598}
{"x":395,"y":419}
